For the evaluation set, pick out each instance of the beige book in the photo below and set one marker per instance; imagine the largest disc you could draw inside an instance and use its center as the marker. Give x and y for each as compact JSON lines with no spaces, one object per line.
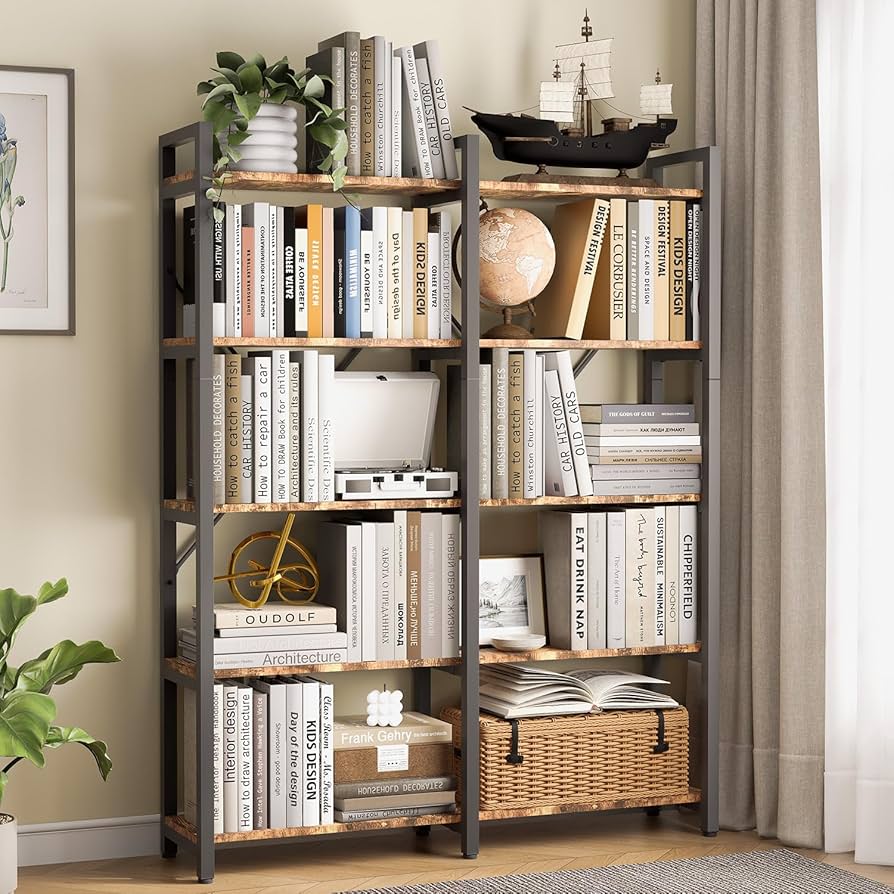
{"x":578,"y":230}
{"x":367,"y":100}
{"x":389,"y":802}
{"x":516,"y":425}
{"x":640,"y":589}
{"x":677,"y":300}
{"x":607,"y":314}
{"x":232,"y":426}
{"x":661,"y":278}
{"x":362,"y":764}
{"x":414,"y":729}
{"x":420,"y":273}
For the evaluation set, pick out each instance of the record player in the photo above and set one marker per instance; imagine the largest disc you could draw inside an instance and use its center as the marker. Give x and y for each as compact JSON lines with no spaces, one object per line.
{"x":383,"y":424}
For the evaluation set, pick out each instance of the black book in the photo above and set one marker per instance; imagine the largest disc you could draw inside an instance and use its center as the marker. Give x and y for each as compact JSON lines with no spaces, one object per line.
{"x":219,"y":291}
{"x":339,"y":274}
{"x":287,"y":241}
{"x":366,"y":273}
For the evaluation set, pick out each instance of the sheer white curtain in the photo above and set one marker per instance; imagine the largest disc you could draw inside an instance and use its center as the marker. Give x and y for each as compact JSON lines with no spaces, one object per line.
{"x":855,"y":61}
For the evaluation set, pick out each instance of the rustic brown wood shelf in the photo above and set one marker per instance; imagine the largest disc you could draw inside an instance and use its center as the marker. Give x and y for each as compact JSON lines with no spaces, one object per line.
{"x":346,"y":343}
{"x":515,"y":189}
{"x":495,"y":656}
{"x":334,"y":506}
{"x":569,"y":344}
{"x":603,"y":500}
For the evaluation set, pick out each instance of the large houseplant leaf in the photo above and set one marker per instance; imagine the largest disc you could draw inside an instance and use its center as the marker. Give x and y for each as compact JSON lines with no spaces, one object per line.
{"x":50,"y":592}
{"x":14,"y":608}
{"x":62,"y":735}
{"x":25,"y":719}
{"x":60,"y":664}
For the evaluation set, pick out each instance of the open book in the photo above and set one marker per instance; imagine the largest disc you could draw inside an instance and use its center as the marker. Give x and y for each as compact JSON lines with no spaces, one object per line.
{"x":525,"y":690}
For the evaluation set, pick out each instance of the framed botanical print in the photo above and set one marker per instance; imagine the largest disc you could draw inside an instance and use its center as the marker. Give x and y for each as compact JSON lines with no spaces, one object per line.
{"x":37,"y":201}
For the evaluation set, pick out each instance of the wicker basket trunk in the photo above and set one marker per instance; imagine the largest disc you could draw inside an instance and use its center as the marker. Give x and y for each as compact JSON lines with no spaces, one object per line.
{"x":614,"y":755}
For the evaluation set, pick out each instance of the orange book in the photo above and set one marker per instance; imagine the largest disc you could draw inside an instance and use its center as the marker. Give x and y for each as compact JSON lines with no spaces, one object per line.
{"x":420,"y":273}
{"x":678,"y":271}
{"x":248,"y":270}
{"x":314,"y":271}
{"x":328,"y":240}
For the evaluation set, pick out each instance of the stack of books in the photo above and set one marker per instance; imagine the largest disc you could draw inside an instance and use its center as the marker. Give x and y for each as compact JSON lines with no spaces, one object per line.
{"x":273,"y":765}
{"x":624,"y":270}
{"x":394,"y":584}
{"x":386,"y":772}
{"x":643,"y":448}
{"x":270,"y":637}
{"x":621,"y":578}
{"x":395,"y":102}
{"x":315,"y":272}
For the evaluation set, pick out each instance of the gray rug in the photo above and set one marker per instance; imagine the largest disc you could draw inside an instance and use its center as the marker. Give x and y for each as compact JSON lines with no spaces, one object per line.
{"x":760,"y":872}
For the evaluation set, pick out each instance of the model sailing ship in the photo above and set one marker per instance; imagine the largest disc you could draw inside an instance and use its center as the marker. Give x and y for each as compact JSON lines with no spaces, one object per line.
{"x":563,"y":135}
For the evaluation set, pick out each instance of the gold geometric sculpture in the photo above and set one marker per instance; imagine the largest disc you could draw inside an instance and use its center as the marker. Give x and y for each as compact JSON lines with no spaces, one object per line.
{"x":284,"y":576}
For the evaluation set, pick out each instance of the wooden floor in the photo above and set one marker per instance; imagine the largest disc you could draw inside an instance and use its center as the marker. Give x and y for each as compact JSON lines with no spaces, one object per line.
{"x":323,"y":867}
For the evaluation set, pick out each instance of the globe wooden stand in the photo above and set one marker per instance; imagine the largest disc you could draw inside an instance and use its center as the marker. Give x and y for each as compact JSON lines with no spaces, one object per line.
{"x":507,"y":329}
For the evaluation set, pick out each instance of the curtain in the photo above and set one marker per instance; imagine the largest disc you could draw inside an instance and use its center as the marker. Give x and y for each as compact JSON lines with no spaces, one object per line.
{"x":756,"y":97}
{"x":857,"y":133}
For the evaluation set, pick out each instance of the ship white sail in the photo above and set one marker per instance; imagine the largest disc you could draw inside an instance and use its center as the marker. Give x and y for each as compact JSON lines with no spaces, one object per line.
{"x":557,"y":101}
{"x":596,"y":56}
{"x":655,"y":99}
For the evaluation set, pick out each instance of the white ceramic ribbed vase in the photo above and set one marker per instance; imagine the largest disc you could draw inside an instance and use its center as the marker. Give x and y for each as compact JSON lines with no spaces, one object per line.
{"x":273,"y":141}
{"x":8,"y":854}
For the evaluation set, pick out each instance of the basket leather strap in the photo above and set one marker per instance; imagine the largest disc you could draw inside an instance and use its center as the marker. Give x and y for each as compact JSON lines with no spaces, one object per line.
{"x":662,"y":745}
{"x":514,"y":757}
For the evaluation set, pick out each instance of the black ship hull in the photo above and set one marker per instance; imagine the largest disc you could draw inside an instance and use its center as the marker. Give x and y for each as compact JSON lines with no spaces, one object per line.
{"x":534,"y":141}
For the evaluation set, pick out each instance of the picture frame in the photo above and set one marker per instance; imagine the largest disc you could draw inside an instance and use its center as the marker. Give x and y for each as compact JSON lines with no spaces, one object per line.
{"x":37,"y":202}
{"x":510,"y":597}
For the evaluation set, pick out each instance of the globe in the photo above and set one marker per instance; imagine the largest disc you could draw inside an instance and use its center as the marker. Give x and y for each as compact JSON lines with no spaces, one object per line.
{"x":517,"y":256}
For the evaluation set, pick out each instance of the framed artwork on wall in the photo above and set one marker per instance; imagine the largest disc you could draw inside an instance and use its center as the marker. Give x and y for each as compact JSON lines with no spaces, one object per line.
{"x":510,"y":597}
{"x":37,"y":283}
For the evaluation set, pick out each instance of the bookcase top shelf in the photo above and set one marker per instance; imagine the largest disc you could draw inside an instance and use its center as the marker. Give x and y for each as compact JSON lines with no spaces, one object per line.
{"x":417,"y":186}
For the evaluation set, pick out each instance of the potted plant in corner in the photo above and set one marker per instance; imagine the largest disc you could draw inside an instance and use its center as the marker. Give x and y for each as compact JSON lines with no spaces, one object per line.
{"x":27,"y":713}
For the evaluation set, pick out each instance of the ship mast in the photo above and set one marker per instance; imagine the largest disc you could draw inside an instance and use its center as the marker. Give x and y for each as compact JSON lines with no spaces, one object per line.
{"x":586,"y":123}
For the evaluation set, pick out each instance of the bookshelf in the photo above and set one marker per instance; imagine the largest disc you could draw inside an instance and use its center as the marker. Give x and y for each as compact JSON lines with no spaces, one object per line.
{"x":202,"y":513}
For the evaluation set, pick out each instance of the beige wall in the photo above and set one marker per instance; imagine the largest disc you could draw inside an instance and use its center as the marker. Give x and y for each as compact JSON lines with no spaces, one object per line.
{"x":78,"y":445}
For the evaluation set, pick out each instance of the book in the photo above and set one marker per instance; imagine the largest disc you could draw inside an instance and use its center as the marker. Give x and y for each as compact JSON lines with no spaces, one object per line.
{"x":688,"y":574}
{"x":530,"y":399}
{"x":500,"y":424}
{"x":377,"y":788}
{"x":310,"y":438}
{"x":450,"y":586}
{"x":246,"y":438}
{"x":616,"y":580}
{"x":607,"y":313}
{"x":294,"y":432}
{"x":648,"y":471}
{"x":414,"y":585}
{"x":384,"y":591}
{"x":430,"y":51}
{"x":258,"y":367}
{"x":399,"y":584}
{"x":288,"y":260}
{"x":559,"y":476}
{"x":327,"y":766}
{"x":644,"y":453}
{"x":431,"y":584}
{"x":263,"y":635}
{"x":433,"y":260}
{"x":644,"y":431}
{"x":419,"y":266}
{"x":540,"y":417}
{"x":360,"y":816}
{"x":416,"y":160}
{"x":218,"y":275}
{"x":350,"y":41}
{"x":275,"y":256}
{"x":217,"y":808}
{"x":633,"y":270}
{"x":338,"y":272}
{"x":347,"y":221}
{"x":622,"y":487}
{"x":660,"y":566}
{"x":407,"y":275}
{"x":596,"y":580}
{"x":271,"y":617}
{"x":646,"y":272}
{"x":231,"y":757}
{"x":578,"y":230}
{"x":640,"y":441}
{"x":294,"y":764}
{"x":339,"y":555}
{"x":638,"y":413}
{"x":326,"y":409}
{"x":218,"y":450}
{"x":367,"y":286}
{"x":640,"y":582}
{"x":232,"y":426}
{"x":396,"y":117}
{"x":329,"y":248}
{"x":395,"y":273}
{"x":561,"y":362}
{"x":310,"y":751}
{"x":484,"y":431}
{"x":262,"y":259}
{"x":387,"y":802}
{"x":369,"y":640}
{"x":563,"y":539}
{"x":672,"y":575}
{"x":244,"y":761}
{"x":237,"y":645}
{"x":330,"y":63}
{"x":677,"y":299}
{"x":445,"y":264}
{"x":693,"y":301}
{"x":259,"y":758}
{"x":311,"y":219}
{"x":515,"y":435}
{"x":524,"y":690}
{"x":351,"y":732}
{"x":431,"y":118}
{"x":381,"y":104}
{"x":248,"y":270}
{"x":367,"y":107}
{"x":276,"y":744}
{"x":661,"y":278}
{"x":284,"y":659}
{"x":279,"y":424}
{"x":380,"y":271}
{"x":234,"y":270}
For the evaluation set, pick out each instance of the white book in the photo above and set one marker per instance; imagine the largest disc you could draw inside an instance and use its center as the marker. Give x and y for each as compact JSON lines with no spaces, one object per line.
{"x":499,"y":429}
{"x":301,"y":281}
{"x":596,"y":580}
{"x":380,"y":272}
{"x":190,"y":780}
{"x":646,"y":312}
{"x":260,"y":367}
{"x":231,"y":757}
{"x":294,"y":431}
{"x":217,"y":745}
{"x":406,"y":274}
{"x":381,"y":123}
{"x":260,"y":636}
{"x":396,"y":117}
{"x":275,"y":642}
{"x":260,"y":797}
{"x":399,"y":588}
{"x":430,"y":591}
{"x":672,"y":575}
{"x":688,"y":574}
{"x":310,"y":422}
{"x":366,"y":284}
{"x":433,"y":316}
{"x":558,"y":463}
{"x":445,"y":233}
{"x":276,"y":751}
{"x":696,"y":271}
{"x":261,"y":303}
{"x":310,"y":752}
{"x":234,"y":271}
{"x":294,"y":766}
{"x":579,"y":577}
{"x":218,"y":430}
{"x":616,"y":580}
{"x":450,"y":600}
{"x":326,"y":410}
{"x":660,"y":566}
{"x":279,"y":420}
{"x":538,"y":424}
{"x":246,"y":424}
{"x":273,"y":660}
{"x":642,"y":441}
{"x":275,"y":280}
{"x":327,"y":756}
{"x":563,"y":537}
{"x":431,"y":118}
{"x":245,"y":767}
{"x":368,"y":602}
{"x":395,"y":272}
{"x":416,"y":154}
{"x":640,"y":589}
{"x":384,"y":591}
{"x":484,"y":438}
{"x":430,"y":50}
{"x":561,"y":362}
{"x":529,"y":433}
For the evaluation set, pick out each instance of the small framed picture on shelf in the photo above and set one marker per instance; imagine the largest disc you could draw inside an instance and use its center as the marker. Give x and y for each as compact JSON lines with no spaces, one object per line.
{"x":36,"y":201}
{"x":510,"y":597}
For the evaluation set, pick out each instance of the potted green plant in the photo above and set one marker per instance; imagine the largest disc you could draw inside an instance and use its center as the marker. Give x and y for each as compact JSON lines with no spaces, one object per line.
{"x":27,"y":713}
{"x":239,"y":90}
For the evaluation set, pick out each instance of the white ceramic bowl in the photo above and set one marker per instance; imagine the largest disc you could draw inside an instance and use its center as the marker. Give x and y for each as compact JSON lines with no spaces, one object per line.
{"x":523,"y":642}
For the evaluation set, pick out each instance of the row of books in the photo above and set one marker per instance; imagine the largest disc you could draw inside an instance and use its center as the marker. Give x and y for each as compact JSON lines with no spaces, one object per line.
{"x":395,"y":106}
{"x":311,"y":271}
{"x":624,"y":270}
{"x":621,"y":578}
{"x":394,"y":585}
